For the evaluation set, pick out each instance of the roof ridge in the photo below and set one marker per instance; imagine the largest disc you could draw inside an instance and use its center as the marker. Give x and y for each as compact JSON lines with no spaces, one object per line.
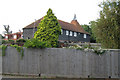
{"x":67,"y":23}
{"x":64,"y":25}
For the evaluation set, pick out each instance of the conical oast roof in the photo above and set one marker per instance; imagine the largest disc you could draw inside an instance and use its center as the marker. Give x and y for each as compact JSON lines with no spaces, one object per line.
{"x":78,"y":26}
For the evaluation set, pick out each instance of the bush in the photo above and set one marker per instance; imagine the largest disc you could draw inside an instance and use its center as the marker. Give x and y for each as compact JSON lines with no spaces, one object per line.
{"x":8,"y":41}
{"x":36,"y":43}
{"x":21,"y":40}
{"x":4,"y":41}
{"x":11,"y":41}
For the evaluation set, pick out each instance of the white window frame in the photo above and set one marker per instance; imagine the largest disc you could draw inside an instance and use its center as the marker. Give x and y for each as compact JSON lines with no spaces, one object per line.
{"x":75,"y":34}
{"x":67,"y":32}
{"x":15,"y":36}
{"x":85,"y":36}
{"x":61,"y":31}
{"x":6,"y":37}
{"x":71,"y":33}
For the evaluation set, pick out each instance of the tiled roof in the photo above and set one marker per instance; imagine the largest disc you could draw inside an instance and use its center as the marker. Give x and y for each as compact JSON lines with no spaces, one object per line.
{"x":73,"y":26}
{"x":78,"y":26}
{"x":14,"y":33}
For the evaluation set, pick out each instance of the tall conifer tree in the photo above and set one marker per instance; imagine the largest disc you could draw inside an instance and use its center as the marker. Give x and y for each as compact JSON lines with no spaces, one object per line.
{"x":48,"y":29}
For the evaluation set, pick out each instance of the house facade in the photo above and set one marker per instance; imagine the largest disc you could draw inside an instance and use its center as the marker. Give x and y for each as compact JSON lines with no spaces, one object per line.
{"x":14,"y":36}
{"x":69,"y":31}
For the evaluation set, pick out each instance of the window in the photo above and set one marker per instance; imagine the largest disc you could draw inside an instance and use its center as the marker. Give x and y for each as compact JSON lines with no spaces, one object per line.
{"x":21,"y":36}
{"x":75,"y":34}
{"x":67,"y":32}
{"x":6,"y":37}
{"x":85,"y":36}
{"x":61,"y":31}
{"x":15,"y":36}
{"x":70,"y":33}
{"x":28,"y":37}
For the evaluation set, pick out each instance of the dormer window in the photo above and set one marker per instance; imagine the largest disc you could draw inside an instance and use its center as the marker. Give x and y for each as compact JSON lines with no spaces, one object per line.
{"x":70,"y":33}
{"x":75,"y":34}
{"x":67,"y":32}
{"x":85,"y":36}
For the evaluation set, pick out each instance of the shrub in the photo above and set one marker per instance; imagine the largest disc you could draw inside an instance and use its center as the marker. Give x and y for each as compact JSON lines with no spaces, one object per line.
{"x":11,"y":41}
{"x":4,"y":41}
{"x":96,"y":50}
{"x":36,"y":43}
{"x":8,"y":41}
{"x":21,"y":40}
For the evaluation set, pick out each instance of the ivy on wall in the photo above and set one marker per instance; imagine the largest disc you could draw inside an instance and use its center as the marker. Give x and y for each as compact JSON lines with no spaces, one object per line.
{"x":4,"y":47}
{"x":19,"y":49}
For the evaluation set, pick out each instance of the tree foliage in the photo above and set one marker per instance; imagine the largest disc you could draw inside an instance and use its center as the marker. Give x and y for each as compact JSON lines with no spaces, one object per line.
{"x":107,"y":30}
{"x":88,"y":28}
{"x":35,"y":43}
{"x":7,"y":29}
{"x":48,"y":29}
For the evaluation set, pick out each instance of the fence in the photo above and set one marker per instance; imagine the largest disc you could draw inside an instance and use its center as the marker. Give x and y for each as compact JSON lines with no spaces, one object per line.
{"x":59,"y":62}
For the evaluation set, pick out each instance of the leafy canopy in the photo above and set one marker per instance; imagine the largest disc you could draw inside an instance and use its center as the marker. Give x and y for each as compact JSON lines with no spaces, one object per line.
{"x":7,"y":29}
{"x":88,"y":28}
{"x":48,"y":29}
{"x":107,"y":30}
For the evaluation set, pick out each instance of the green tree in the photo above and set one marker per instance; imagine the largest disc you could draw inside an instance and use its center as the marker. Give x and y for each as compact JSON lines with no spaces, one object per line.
{"x":88,"y":28}
{"x":2,"y":37}
{"x":7,"y":29}
{"x":107,"y":30}
{"x":48,"y":29}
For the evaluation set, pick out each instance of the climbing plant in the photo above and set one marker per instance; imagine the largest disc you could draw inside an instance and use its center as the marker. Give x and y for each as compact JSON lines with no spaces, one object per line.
{"x":19,"y":49}
{"x":4,"y":47}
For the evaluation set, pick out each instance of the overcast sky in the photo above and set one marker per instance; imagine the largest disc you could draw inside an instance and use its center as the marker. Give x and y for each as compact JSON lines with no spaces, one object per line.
{"x":20,"y":13}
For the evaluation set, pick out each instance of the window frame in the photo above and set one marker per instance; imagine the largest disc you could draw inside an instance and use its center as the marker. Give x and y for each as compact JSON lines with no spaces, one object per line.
{"x":67,"y":32}
{"x":85,"y":36}
{"x":15,"y":36}
{"x":61,"y":31}
{"x":6,"y":37}
{"x":75,"y":34}
{"x":71,"y":33}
